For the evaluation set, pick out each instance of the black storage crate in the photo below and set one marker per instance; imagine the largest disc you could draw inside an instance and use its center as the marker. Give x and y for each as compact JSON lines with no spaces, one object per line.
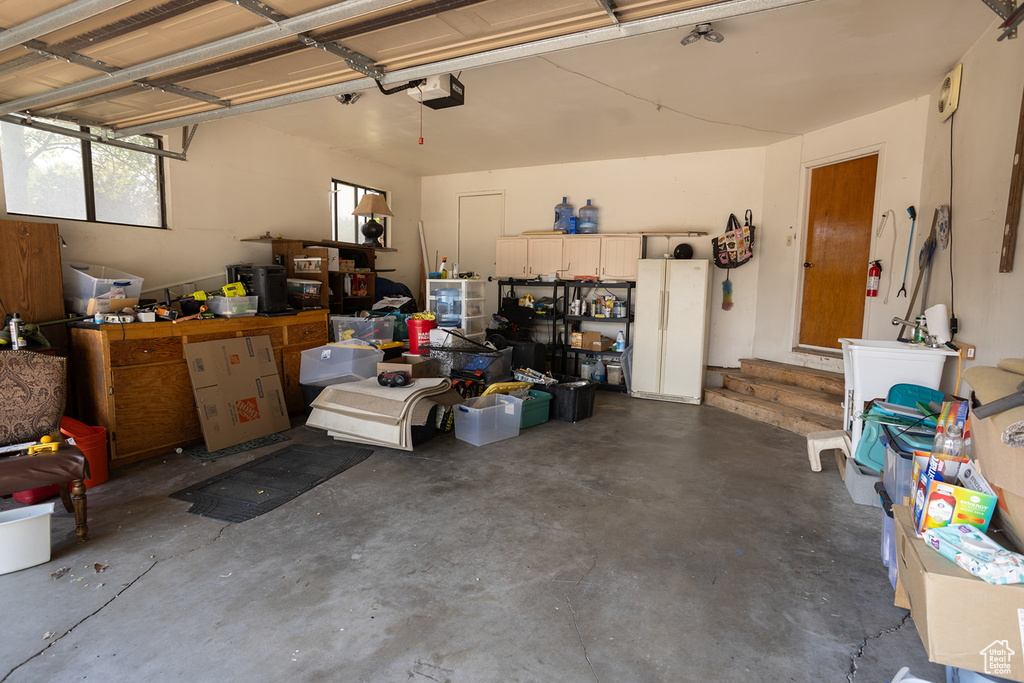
{"x":570,"y":403}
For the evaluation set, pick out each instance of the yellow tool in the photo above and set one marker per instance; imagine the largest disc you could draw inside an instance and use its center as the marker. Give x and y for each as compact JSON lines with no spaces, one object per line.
{"x":45,"y":444}
{"x":504,"y":387}
{"x":232,"y":289}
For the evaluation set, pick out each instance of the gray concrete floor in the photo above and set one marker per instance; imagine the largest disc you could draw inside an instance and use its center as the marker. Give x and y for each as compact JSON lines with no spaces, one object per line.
{"x":652,"y":542}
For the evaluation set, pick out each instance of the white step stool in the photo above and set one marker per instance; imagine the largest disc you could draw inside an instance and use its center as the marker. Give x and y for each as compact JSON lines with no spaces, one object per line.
{"x":817,"y":442}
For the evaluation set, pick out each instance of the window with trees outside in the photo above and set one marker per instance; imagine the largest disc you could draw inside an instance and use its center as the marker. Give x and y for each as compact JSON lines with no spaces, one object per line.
{"x":57,"y":176}
{"x":344,"y":200}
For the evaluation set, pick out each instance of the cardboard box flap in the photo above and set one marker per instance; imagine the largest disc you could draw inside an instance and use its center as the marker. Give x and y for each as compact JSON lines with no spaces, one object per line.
{"x":1002,"y":465}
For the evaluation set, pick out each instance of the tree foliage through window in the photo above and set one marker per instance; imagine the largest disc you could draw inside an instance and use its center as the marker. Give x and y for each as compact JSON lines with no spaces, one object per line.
{"x":57,"y":176}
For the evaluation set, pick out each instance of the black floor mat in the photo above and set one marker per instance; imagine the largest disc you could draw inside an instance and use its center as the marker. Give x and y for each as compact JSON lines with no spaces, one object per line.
{"x":199,"y":452}
{"x":259,"y":486}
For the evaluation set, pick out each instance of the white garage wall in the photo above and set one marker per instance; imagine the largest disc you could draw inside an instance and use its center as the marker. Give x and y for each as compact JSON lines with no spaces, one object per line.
{"x":665,"y":193}
{"x":240,"y":181}
{"x":898,"y":135}
{"x":984,"y":127}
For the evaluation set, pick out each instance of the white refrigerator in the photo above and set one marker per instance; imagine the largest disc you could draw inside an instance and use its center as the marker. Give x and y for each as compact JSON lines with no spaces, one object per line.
{"x":670,"y":346}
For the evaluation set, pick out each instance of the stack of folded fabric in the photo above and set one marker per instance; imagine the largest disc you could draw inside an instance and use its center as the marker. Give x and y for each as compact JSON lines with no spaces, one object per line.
{"x":366,"y":412}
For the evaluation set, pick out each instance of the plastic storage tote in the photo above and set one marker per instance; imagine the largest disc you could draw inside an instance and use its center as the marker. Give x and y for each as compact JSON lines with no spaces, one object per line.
{"x":487,"y":419}
{"x":572,"y":398}
{"x":367,"y":329}
{"x":25,"y":537}
{"x":83,"y":282}
{"x":860,"y":482}
{"x":958,"y":675}
{"x":899,"y":465}
{"x":334,"y":361}
{"x":888,"y":534}
{"x":536,"y":409}
{"x":232,"y":306}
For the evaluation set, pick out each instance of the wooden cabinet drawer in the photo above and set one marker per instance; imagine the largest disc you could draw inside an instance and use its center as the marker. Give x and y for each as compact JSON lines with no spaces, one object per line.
{"x":142,"y":351}
{"x":209,"y":336}
{"x":307,"y":333}
{"x":276,"y":334}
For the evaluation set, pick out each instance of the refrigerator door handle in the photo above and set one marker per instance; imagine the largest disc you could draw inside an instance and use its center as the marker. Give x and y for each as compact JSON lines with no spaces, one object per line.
{"x":661,"y":310}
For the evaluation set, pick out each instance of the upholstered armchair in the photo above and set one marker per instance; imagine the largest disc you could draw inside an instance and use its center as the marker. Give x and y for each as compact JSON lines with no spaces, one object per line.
{"x":33,"y":390}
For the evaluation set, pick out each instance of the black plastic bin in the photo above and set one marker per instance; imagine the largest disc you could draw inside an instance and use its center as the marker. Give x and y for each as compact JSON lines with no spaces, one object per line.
{"x":570,"y":403}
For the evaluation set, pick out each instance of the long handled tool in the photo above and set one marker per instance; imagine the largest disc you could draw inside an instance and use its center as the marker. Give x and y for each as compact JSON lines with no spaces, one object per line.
{"x":925,"y":268}
{"x":910,"y":245}
{"x":1002,"y":404}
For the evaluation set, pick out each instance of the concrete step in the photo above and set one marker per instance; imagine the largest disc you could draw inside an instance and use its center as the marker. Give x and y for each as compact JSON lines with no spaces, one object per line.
{"x":769,"y":412}
{"x":808,"y":400}
{"x":808,"y":378}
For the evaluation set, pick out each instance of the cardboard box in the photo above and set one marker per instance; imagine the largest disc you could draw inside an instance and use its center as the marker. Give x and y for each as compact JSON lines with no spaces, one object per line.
{"x":593,"y":341}
{"x":237,"y":390}
{"x":1002,"y":465}
{"x":1009,"y":518}
{"x":416,"y":366}
{"x":962,"y":620}
{"x":94,"y":306}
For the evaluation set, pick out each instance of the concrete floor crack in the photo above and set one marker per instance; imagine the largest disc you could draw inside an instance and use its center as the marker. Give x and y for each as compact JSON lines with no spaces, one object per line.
{"x":582,"y":644}
{"x":80,"y":621}
{"x":864,"y":644}
{"x":199,"y":547}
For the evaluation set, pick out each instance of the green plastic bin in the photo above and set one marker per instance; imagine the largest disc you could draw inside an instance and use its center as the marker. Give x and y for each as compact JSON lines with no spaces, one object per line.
{"x":536,"y":410}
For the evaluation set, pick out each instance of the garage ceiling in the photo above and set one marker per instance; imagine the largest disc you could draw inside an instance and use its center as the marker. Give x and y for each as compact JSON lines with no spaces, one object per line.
{"x":547,"y":81}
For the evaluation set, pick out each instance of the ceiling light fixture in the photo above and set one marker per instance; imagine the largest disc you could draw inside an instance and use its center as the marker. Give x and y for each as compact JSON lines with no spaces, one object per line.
{"x":702,"y":31}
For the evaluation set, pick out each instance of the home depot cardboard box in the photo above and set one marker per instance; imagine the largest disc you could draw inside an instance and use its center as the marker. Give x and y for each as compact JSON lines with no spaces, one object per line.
{"x":237,"y":390}
{"x":962,"y":620}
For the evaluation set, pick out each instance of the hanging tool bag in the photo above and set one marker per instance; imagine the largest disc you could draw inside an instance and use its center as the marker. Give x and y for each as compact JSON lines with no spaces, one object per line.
{"x":736,"y":246}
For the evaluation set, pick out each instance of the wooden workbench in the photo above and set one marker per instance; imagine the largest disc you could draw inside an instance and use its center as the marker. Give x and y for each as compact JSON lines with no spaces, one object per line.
{"x":133,"y":379}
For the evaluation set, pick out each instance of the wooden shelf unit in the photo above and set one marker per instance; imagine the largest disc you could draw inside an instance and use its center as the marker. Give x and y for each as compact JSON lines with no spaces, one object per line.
{"x":285,"y":251}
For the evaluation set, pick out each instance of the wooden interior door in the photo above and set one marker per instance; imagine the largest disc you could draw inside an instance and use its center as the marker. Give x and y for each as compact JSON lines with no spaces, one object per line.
{"x":842,"y":204}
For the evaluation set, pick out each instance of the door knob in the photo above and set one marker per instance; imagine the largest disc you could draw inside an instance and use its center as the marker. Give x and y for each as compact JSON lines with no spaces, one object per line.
{"x":807,"y":265}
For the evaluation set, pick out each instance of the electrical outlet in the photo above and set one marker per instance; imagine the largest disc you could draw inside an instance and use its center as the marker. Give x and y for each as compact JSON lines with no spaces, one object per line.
{"x":967,"y":351}
{"x":789,"y":240}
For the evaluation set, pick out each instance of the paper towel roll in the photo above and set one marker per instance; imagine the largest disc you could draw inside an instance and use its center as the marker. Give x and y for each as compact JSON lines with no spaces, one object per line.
{"x":937,"y":318}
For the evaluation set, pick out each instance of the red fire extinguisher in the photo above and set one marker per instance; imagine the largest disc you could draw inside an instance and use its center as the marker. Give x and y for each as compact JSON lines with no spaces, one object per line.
{"x":874,"y":275}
